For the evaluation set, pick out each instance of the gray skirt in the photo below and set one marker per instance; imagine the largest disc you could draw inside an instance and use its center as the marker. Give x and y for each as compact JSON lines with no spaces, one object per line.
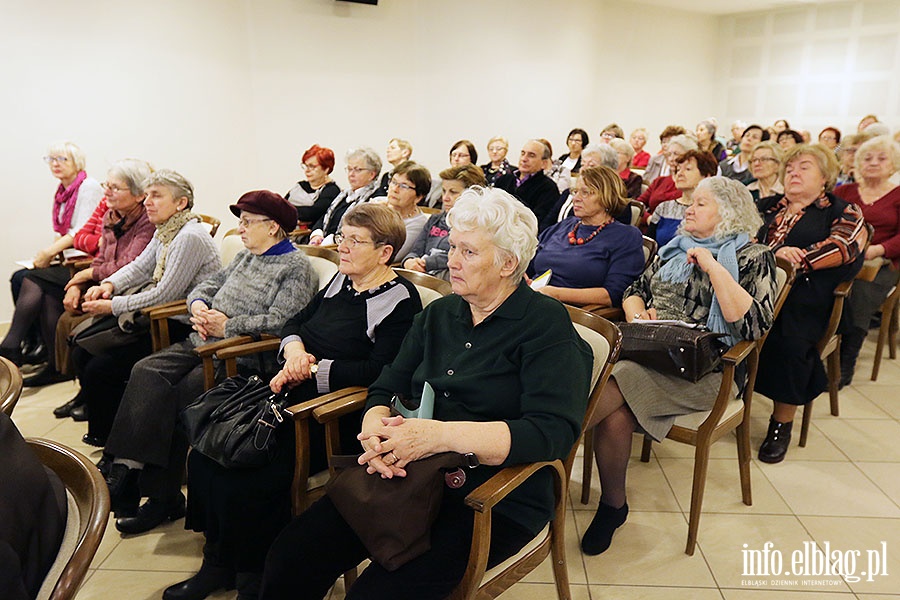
{"x":656,"y":399}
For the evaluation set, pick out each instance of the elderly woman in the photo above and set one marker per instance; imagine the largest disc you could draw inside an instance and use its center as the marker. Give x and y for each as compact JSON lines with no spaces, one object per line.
{"x":463,"y":152}
{"x":593,"y":257}
{"x":313,"y":196}
{"x":712,"y":275}
{"x":738,"y":167}
{"x":847,"y":156}
{"x":879,"y":199}
{"x":789,"y":138}
{"x":657,"y":165}
{"x":350,"y":330}
{"x":492,"y":351}
{"x":691,"y":168}
{"x":498,"y":147}
{"x":733,"y":145}
{"x":830,"y":137}
{"x":707,"y":142}
{"x":595,"y":155}
{"x":75,"y":200}
{"x":430,"y":250}
{"x":576,"y":141}
{"x":779,"y":126}
{"x":638,"y":140}
{"x":823,"y":236}
{"x":398,"y":151}
{"x":624,"y":154}
{"x":409,"y":184}
{"x":255,"y":294}
{"x":765,"y":165}
{"x":363,"y":167}
{"x":611,"y":131}
{"x":180,"y":256}
{"x":663,"y":187}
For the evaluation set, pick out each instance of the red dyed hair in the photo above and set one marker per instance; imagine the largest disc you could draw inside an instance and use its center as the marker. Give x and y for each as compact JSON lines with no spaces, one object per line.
{"x":325,"y":156}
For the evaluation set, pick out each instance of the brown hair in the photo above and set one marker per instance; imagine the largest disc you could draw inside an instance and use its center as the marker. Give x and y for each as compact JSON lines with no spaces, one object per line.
{"x":381,"y":221}
{"x":671,"y":131}
{"x":706,"y":162}
{"x":469,"y":175}
{"x":416,"y":173}
{"x":608,"y":185}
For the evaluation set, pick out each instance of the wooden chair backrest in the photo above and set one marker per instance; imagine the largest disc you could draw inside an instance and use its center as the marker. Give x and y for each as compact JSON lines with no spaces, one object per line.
{"x":430,"y":287}
{"x":10,"y":386}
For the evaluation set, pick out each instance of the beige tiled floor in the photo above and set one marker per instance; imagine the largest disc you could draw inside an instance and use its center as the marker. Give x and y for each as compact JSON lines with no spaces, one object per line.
{"x":843,"y":489}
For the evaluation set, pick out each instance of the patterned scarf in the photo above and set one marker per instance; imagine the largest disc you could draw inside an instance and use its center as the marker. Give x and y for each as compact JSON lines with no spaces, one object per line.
{"x":64,"y":204}
{"x":165,"y":233}
{"x":677,"y":270}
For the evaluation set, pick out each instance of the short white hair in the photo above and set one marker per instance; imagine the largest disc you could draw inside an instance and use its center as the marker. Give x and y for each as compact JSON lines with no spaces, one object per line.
{"x":69,"y":150}
{"x":367,"y":155}
{"x":686,"y":142}
{"x":608,"y":155}
{"x":510,"y":224}
{"x":134,"y":172}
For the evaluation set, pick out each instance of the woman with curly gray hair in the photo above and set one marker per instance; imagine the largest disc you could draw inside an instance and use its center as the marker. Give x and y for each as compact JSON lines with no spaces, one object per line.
{"x":711,"y":274}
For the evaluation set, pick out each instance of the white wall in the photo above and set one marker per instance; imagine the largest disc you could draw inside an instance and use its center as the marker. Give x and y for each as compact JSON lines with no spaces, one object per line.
{"x":230,"y":92}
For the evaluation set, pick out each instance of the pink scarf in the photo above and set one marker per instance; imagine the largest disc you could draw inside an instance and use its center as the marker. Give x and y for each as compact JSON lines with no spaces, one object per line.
{"x":64,"y":204}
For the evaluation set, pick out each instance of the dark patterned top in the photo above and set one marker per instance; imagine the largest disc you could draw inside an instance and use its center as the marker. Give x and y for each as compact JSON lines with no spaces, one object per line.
{"x":690,"y":302}
{"x":492,"y":174}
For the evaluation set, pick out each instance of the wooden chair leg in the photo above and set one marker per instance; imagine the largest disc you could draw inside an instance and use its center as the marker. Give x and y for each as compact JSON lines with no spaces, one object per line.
{"x":743,"y":450}
{"x":701,"y":464}
{"x":587,"y":466}
{"x":645,"y":449}
{"x":558,"y":555}
{"x":892,"y":332}
{"x":807,"y":418}
{"x":834,"y":379}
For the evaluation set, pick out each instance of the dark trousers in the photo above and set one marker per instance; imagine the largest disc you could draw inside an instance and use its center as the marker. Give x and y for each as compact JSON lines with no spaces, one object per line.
{"x":318,"y":546}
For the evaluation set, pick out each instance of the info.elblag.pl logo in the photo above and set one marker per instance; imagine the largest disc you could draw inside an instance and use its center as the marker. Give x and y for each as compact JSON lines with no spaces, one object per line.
{"x":812,"y":565}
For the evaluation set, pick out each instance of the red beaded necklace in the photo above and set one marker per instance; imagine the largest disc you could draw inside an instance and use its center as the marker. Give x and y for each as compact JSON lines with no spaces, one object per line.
{"x":577,"y":241}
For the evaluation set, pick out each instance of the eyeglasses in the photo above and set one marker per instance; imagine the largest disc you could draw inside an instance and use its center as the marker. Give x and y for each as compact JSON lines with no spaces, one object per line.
{"x":402,"y":186}
{"x":245,"y":222}
{"x":56,"y":159}
{"x":309,"y":167}
{"x":352,"y":242}
{"x":575,"y":139}
{"x":459,"y":155}
{"x":608,"y":135}
{"x":762,"y":159}
{"x":356,"y":170}
{"x":496,"y":148}
{"x":112,"y":189}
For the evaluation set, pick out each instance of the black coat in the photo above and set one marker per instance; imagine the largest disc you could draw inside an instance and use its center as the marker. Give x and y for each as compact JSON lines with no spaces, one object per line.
{"x":539,"y":192}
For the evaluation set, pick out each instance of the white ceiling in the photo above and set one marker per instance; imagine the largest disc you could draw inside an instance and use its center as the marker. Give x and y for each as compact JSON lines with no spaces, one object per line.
{"x":727,"y":7}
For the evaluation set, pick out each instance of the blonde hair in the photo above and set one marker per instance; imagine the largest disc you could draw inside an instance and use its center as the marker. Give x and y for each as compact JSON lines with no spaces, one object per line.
{"x":881,"y":142}
{"x":825,"y":159}
{"x":609,"y":187}
{"x":70,"y":150}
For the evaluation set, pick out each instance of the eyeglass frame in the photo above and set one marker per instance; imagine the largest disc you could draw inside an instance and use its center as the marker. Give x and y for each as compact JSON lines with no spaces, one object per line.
{"x":354,"y":243}
{"x":246,"y":223}
{"x":114,"y":188}
{"x":401,"y":185}
{"x":56,"y":159}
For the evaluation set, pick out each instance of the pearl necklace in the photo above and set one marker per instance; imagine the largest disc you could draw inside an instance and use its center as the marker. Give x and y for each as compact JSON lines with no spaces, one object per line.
{"x":577,"y":241}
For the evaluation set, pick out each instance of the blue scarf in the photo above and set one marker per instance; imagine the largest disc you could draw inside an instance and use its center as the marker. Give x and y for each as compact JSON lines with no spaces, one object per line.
{"x":677,"y":270}
{"x":283,"y":247}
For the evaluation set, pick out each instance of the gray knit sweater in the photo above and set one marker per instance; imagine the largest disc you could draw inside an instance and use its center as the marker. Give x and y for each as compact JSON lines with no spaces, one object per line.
{"x":192,"y":257}
{"x":258,"y":293}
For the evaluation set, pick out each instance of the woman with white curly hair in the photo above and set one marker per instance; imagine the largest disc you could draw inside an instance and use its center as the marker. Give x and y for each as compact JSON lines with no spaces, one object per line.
{"x":710,"y":274}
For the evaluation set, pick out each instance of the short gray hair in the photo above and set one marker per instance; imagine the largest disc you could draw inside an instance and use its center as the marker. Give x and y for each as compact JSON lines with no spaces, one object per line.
{"x":608,"y":156}
{"x":547,"y":153}
{"x":736,"y":206}
{"x":881,"y":142}
{"x":69,"y":149}
{"x":510,"y":224}
{"x":371,"y":158}
{"x":710,"y":127}
{"x":688,"y":143}
{"x":134,"y":172}
{"x":176,"y":182}
{"x":620,"y":145}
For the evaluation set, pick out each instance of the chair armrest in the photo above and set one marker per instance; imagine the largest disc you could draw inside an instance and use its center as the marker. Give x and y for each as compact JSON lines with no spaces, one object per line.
{"x":164,"y":312}
{"x":607,"y":312}
{"x":268,"y":343}
{"x":303,"y":410}
{"x":738,"y":353}
{"x":843,"y":289}
{"x":151,"y":310}
{"x":211,"y":348}
{"x":348,"y":403}
{"x":495,"y":489}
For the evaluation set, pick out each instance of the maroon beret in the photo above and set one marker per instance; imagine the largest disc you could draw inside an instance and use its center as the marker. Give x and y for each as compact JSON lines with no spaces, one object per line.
{"x":269,"y":204}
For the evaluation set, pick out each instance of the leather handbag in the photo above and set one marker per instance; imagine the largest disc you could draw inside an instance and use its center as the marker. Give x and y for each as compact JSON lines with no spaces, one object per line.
{"x":393,"y":517}
{"x":103,"y":334}
{"x":688,"y":352}
{"x":234,"y":423}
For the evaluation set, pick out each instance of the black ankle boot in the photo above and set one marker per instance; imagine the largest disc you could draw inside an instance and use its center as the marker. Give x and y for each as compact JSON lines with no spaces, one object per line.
{"x":208,"y":580}
{"x":775,"y":446}
{"x":152,"y":513}
{"x":599,"y":534}
{"x":124,"y":494}
{"x":851,"y":342}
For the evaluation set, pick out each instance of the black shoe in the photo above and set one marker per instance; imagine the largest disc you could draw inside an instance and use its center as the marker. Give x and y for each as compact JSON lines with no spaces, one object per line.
{"x":34,"y":355}
{"x":79,"y":413}
{"x":124,"y":494}
{"x":775,"y":446}
{"x":104,"y":465}
{"x":93,"y":440}
{"x":13,"y":355}
{"x":61,"y":412}
{"x":151,"y":514}
{"x":46,"y":376}
{"x":208,"y":580}
{"x":599,"y":533}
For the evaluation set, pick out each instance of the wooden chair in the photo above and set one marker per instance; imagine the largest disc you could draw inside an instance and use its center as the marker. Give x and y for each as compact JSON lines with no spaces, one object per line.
{"x":86,"y":521}
{"x":887,"y":332}
{"x":478,"y":582}
{"x":637,"y":211}
{"x":230,"y":246}
{"x":325,"y":261}
{"x":212,"y":222}
{"x":429,"y":210}
{"x":615,"y":314}
{"x":306,"y":486}
{"x":10,"y":386}
{"x":727,"y":414}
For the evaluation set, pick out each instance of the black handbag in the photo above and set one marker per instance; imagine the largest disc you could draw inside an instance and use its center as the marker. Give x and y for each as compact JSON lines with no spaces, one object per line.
{"x":393,"y":517}
{"x":103,"y":334}
{"x":689,"y":353}
{"x":234,"y":423}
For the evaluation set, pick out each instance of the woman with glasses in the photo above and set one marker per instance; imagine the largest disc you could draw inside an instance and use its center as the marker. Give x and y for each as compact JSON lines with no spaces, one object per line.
{"x":264,"y":285}
{"x":498,"y":166}
{"x":363,"y":168}
{"x":738,"y":167}
{"x":343,"y":337}
{"x":313,"y":196}
{"x":576,"y":142}
{"x":43,"y":291}
{"x":765,"y":165}
{"x":76,"y":198}
{"x":409,"y":185}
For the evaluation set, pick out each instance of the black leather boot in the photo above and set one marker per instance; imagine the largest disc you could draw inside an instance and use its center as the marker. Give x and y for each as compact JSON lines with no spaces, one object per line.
{"x":599,"y":533}
{"x":775,"y":446}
